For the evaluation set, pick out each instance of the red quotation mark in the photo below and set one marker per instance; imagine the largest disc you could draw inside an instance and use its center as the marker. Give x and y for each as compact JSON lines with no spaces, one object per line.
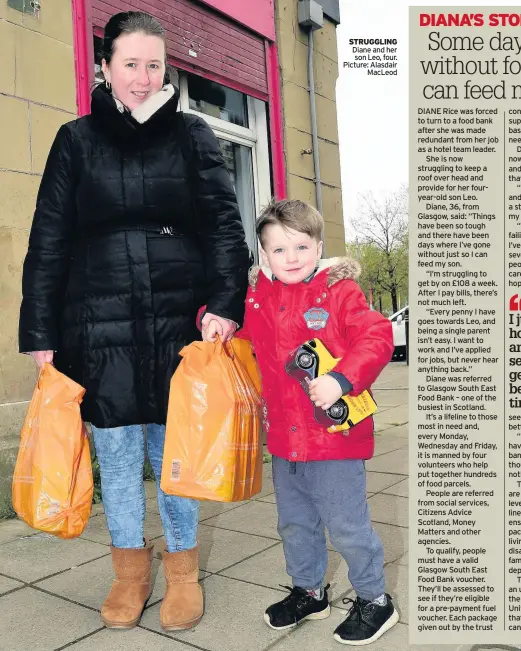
{"x":515,"y":304}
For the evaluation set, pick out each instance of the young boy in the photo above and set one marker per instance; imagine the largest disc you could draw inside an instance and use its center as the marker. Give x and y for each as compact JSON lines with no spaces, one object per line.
{"x":319,"y":477}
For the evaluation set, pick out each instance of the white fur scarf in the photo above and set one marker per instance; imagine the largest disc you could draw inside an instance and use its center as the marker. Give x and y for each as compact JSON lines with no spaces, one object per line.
{"x":146,"y":110}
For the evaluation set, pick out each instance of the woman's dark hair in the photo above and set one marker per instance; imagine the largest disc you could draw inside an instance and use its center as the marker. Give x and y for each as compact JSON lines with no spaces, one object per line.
{"x":128,"y":22}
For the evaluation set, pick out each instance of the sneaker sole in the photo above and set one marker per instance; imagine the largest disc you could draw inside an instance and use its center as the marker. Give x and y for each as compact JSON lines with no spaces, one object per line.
{"x":393,"y":619}
{"x":323,"y":614}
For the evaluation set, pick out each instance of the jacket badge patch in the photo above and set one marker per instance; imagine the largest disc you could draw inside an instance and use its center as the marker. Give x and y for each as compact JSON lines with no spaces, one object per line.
{"x":316,"y":318}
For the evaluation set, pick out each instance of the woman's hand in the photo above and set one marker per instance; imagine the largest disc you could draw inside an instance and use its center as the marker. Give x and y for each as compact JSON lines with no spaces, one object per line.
{"x":213,"y":325}
{"x":42,"y":356}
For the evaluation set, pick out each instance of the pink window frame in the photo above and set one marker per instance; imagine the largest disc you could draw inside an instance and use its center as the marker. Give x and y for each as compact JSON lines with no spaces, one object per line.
{"x":84,"y":55}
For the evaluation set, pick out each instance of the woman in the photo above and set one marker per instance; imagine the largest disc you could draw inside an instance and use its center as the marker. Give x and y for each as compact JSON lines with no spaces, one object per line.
{"x":136,"y":226}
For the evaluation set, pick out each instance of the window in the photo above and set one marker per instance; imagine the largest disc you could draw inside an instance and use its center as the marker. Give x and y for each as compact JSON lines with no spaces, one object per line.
{"x":240,"y":124}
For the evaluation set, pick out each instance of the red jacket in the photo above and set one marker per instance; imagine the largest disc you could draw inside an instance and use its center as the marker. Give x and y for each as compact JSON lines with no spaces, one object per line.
{"x":276,"y":324}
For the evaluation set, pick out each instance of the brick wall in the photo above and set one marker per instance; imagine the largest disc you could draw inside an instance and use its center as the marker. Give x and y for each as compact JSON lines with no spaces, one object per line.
{"x":37,"y":95}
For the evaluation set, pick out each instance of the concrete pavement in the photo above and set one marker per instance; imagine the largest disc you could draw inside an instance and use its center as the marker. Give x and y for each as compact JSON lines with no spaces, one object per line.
{"x":51,"y":591}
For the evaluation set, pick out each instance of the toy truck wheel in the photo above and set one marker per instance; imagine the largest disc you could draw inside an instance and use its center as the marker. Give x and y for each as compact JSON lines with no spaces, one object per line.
{"x":305,"y":360}
{"x":338,"y":411}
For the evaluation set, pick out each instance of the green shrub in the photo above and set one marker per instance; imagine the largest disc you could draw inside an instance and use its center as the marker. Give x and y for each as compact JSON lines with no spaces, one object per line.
{"x":6,"y":509}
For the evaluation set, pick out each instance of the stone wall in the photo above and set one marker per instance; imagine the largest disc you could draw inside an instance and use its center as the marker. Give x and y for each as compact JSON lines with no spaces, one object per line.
{"x":292,"y":44}
{"x":37,"y":95}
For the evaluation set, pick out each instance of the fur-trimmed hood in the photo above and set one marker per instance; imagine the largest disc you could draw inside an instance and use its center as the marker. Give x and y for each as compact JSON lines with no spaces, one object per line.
{"x":342,"y":268}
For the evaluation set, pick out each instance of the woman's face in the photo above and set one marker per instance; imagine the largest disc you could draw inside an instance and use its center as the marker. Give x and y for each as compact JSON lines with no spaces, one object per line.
{"x":137,"y":68}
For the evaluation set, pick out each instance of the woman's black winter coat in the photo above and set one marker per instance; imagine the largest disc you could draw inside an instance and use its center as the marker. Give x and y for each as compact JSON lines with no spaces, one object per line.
{"x":105,"y":284}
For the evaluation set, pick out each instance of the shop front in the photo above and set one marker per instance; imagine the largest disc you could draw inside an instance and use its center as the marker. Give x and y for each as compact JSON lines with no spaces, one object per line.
{"x":224,"y":61}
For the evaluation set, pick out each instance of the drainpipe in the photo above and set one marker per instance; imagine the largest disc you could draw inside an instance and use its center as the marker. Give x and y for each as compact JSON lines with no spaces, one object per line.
{"x":311,"y":17}
{"x":314,"y":131}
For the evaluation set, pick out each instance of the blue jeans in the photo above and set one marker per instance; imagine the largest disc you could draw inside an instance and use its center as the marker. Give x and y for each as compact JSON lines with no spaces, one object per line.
{"x":121,"y":456}
{"x":315,"y":495}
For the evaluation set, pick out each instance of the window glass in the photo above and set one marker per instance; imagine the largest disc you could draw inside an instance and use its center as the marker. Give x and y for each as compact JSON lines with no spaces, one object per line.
{"x":238,"y":160}
{"x":218,"y":101}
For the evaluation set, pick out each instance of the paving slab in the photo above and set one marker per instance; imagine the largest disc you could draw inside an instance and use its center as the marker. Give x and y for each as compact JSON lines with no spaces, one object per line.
{"x":269,"y":569}
{"x":150,"y":489}
{"x":137,"y":639}
{"x":233,"y":619}
{"x":255,"y":517}
{"x":392,"y":417}
{"x":378,"y":481}
{"x":34,"y":620}
{"x":220,"y":548}
{"x":394,"y":376}
{"x":97,"y":509}
{"x":386,"y":399}
{"x":385,"y":442}
{"x":401,"y":489}
{"x":389,"y":509}
{"x":209,"y":509}
{"x":152,"y":505}
{"x":13,"y":529}
{"x":396,"y":462}
{"x":398,"y":431}
{"x":6,"y":585}
{"x":37,"y":557}
{"x":403,"y":560}
{"x":271,"y":499}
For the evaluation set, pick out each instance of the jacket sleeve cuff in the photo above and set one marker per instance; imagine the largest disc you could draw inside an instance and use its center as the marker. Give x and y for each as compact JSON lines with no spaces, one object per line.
{"x":201,"y":314}
{"x":344,"y":383}
{"x":200,"y":317}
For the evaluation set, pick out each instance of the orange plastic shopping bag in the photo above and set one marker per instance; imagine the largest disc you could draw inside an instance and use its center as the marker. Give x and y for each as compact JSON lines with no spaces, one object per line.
{"x":213,"y":446}
{"x":52,"y":482}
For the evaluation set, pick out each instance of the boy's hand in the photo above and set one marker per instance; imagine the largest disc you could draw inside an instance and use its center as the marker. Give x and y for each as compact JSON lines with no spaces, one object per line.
{"x":324,"y":391}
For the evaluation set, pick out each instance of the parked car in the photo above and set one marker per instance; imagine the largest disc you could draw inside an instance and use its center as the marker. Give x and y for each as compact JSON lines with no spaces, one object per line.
{"x":398,"y":321}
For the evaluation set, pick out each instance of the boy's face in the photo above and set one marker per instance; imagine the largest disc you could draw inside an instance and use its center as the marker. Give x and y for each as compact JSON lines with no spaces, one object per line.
{"x":291,"y":256}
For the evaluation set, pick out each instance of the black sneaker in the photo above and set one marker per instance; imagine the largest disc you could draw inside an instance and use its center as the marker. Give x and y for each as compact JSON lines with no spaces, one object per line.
{"x":295,"y":608}
{"x":366,"y":621}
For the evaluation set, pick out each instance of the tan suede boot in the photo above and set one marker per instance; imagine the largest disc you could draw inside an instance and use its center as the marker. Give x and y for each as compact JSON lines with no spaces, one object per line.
{"x":131,"y":588}
{"x":182,"y":605}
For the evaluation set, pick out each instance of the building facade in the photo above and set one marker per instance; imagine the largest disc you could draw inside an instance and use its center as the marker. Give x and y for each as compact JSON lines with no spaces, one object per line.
{"x":241,"y":64}
{"x":37,"y":95}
